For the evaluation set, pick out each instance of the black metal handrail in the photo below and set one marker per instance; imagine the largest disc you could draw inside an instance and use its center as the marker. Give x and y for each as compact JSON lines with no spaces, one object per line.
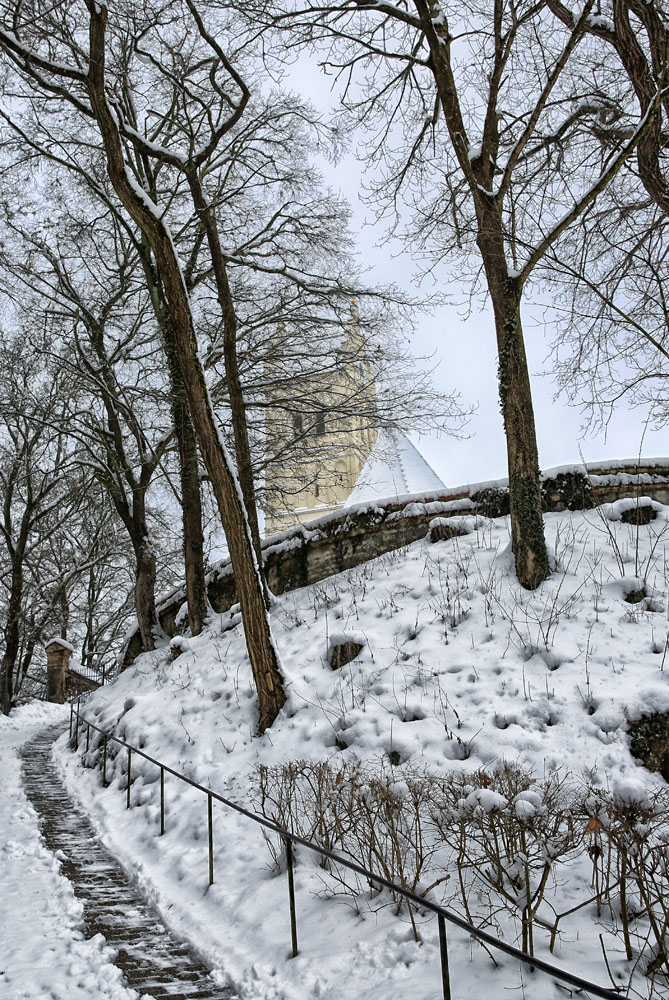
{"x":289,"y":839}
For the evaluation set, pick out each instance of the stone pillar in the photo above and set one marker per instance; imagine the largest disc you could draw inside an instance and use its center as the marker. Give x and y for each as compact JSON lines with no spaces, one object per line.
{"x":58,"y":653}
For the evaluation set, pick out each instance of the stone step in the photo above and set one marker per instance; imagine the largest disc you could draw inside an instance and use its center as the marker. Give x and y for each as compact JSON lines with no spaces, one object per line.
{"x":151,"y":959}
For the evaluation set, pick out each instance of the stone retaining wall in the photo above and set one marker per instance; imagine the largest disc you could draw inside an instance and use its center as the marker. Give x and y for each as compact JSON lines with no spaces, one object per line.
{"x":340,"y":541}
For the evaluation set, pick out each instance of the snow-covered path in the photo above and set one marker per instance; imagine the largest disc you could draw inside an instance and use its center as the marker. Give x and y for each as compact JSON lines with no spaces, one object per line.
{"x":43,"y":951}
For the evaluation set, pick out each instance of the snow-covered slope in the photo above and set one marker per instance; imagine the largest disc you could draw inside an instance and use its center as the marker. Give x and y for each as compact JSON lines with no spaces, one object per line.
{"x":460,"y":670}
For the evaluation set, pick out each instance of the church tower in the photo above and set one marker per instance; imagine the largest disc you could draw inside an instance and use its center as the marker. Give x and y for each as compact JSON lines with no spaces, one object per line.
{"x":321,"y":441}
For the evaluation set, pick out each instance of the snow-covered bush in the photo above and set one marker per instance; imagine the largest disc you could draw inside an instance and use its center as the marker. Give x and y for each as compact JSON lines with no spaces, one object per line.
{"x":373,"y":813}
{"x":498,"y":844}
{"x":633,"y":824}
{"x":507,"y":833}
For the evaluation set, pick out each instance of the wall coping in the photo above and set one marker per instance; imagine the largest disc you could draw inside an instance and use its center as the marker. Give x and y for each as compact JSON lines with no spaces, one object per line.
{"x":57,"y":641}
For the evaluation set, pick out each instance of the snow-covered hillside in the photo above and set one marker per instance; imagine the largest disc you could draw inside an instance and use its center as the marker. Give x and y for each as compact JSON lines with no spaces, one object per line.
{"x":461,"y":673}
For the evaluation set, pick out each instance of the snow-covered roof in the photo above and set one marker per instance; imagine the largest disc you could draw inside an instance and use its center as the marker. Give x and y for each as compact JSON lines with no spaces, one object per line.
{"x":394,"y":468}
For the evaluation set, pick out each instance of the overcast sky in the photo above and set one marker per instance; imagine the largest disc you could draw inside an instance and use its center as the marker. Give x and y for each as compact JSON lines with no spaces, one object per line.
{"x":466,"y":359}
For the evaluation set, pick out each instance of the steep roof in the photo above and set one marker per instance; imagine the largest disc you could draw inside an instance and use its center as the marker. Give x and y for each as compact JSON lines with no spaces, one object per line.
{"x":394,"y":468}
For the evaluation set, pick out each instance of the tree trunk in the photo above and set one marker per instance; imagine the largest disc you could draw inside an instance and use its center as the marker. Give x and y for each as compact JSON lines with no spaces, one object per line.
{"x":196,"y":588}
{"x":145,"y":591}
{"x":527,"y":525}
{"x":133,"y":517}
{"x":191,"y":502}
{"x":6,"y":677}
{"x":189,"y":476}
{"x":26,"y":660}
{"x":12,"y":637}
{"x":241,"y":437}
{"x":515,"y":395}
{"x":262,"y":653}
{"x":88,"y":644}
{"x":527,"y":528}
{"x":232,"y":377}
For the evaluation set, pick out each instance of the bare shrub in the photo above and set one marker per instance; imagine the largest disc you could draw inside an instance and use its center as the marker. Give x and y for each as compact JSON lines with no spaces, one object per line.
{"x":368,"y":812}
{"x":300,"y":797}
{"x":507,"y":833}
{"x":635,"y":823}
{"x":497,"y":844}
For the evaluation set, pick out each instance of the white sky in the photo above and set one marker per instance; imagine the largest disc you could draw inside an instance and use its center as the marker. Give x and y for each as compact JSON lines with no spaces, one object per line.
{"x":466,"y":358}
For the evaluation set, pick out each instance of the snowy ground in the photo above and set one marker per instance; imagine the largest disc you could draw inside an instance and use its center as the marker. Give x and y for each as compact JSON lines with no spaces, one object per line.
{"x":43,"y":952}
{"x":460,"y":670}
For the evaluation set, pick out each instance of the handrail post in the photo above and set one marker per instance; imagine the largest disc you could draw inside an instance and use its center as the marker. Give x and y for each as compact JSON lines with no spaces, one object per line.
{"x":76,"y":730}
{"x":88,"y":736}
{"x":162,"y":801}
{"x":210,"y":824}
{"x":71,"y":717}
{"x":291,"y":894}
{"x":127,"y":793}
{"x":104,"y":760}
{"x":443,"y":949}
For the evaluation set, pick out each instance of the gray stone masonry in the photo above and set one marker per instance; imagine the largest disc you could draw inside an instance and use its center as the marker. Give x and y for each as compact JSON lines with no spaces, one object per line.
{"x":57,"y":669}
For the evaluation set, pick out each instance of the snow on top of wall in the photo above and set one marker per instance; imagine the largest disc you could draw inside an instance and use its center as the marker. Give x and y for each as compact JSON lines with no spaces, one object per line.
{"x":58,"y":641}
{"x":616,"y":471}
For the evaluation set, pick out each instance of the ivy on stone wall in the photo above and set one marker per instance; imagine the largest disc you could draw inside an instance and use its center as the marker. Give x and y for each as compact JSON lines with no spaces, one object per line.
{"x":567,"y":491}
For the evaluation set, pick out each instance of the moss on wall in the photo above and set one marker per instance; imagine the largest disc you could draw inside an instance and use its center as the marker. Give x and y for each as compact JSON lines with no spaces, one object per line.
{"x":649,"y":739}
{"x":567,"y":491}
{"x":492,"y":502}
{"x":642,"y":513}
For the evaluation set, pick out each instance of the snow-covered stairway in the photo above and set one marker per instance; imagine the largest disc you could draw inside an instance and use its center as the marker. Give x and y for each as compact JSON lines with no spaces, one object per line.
{"x":152,"y":961}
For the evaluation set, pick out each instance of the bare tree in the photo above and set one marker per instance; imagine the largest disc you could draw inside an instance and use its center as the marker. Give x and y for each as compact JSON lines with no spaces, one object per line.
{"x":610,"y":300}
{"x":43,"y":492}
{"x":101,"y":601}
{"x":76,"y":194}
{"x":477,"y":115}
{"x":608,"y":273}
{"x":638,"y":32}
{"x":80,"y":80}
{"x":86,"y":296}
